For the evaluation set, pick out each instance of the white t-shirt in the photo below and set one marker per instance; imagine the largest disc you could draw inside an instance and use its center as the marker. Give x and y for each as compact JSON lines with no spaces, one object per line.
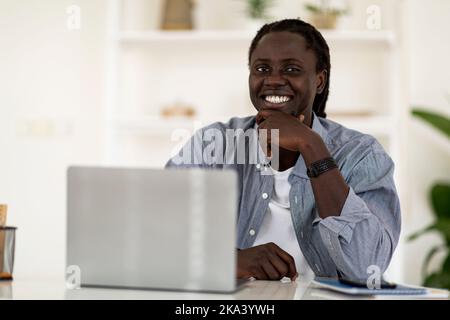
{"x":277,"y":226}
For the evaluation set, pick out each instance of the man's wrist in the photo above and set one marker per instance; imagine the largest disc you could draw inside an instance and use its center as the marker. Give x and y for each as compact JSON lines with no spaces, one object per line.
{"x":312,"y":151}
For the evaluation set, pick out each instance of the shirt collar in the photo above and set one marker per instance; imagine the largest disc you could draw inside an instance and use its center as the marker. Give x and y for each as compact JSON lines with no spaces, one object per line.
{"x":318,"y":128}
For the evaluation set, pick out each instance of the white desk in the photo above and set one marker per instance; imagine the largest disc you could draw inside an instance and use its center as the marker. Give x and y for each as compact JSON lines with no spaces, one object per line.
{"x":254,"y":290}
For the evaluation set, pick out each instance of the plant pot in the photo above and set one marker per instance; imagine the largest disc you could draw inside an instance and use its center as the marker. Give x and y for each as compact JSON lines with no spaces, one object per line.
{"x":324,"y":20}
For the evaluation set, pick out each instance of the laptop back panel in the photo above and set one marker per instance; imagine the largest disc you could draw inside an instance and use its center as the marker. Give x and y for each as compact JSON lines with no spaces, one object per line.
{"x":145,"y":228}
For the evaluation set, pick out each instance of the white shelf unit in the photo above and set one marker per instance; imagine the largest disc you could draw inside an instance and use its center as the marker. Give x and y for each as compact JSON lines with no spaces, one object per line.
{"x":147,"y":69}
{"x":156,"y":36}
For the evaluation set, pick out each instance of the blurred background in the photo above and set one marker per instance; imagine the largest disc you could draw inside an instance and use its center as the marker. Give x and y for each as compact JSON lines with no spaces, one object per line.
{"x":120,"y":82}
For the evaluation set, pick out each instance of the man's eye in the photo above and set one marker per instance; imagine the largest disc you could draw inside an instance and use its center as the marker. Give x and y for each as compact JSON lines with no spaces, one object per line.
{"x":262,"y":69}
{"x":292,"y":69}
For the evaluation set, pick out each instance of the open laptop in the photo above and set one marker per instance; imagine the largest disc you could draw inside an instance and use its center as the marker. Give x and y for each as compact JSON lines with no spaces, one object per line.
{"x":152,"y":229}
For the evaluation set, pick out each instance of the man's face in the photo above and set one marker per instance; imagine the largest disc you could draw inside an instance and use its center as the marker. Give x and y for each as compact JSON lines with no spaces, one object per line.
{"x":283,"y":74}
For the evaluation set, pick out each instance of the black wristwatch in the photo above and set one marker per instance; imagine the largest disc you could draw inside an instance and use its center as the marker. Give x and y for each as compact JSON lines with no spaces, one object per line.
{"x":321,"y":166}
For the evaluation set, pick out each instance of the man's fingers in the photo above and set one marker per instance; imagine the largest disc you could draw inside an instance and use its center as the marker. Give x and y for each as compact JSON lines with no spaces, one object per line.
{"x":265,"y":139}
{"x":264,"y":114}
{"x":260,"y":274}
{"x":289,"y":261}
{"x":301,"y":117}
{"x":261,"y":116}
{"x":270,"y":270}
{"x":259,"y":119}
{"x":279,"y":264}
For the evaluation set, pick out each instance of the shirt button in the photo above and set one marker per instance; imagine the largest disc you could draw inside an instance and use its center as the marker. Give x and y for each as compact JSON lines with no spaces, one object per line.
{"x":265,"y":195}
{"x":252,"y":232}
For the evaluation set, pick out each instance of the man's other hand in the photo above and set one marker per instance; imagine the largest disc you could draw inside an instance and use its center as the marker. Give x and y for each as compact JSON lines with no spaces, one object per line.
{"x":265,"y":262}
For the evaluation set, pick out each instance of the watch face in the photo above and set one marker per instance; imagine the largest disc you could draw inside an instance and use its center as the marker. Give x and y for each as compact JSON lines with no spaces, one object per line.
{"x":315,"y":172}
{"x":311,"y":172}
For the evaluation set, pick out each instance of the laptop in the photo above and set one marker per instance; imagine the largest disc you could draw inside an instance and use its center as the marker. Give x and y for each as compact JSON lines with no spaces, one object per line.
{"x":152,"y":229}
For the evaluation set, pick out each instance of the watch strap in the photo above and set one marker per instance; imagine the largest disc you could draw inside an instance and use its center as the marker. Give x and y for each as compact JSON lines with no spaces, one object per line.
{"x":321,"y":166}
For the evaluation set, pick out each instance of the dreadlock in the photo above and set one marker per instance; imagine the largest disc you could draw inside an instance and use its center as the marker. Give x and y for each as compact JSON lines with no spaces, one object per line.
{"x":314,"y":40}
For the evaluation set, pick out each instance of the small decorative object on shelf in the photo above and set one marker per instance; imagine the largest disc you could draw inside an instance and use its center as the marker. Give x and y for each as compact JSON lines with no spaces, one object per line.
{"x":3,"y":212}
{"x":7,"y":241}
{"x":178,"y":110}
{"x":177,"y":15}
{"x":324,"y":15}
{"x":256,"y":11}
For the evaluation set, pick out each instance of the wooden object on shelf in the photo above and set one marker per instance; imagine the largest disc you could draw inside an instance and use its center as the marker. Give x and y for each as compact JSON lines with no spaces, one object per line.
{"x":3,"y":212}
{"x":178,"y":110}
{"x":177,"y":15}
{"x":324,"y":20}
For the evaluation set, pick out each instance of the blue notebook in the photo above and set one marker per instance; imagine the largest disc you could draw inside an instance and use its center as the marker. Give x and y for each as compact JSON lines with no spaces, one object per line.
{"x":335,"y":285}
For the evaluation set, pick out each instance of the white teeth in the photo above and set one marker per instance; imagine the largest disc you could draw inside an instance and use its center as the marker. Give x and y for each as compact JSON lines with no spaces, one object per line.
{"x":277,"y":99}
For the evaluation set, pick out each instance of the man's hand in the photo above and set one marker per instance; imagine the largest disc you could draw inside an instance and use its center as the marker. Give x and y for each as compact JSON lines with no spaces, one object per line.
{"x":265,"y":262}
{"x":291,"y":129}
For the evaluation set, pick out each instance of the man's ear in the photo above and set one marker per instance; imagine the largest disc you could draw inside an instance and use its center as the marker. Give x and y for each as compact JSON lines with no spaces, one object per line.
{"x":321,"y":81}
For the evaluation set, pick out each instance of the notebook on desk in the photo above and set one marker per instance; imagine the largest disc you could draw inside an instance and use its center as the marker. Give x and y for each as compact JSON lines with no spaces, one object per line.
{"x":400,"y":290}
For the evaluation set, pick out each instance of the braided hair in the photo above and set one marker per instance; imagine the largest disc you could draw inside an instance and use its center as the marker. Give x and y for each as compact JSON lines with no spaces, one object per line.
{"x":314,"y":40}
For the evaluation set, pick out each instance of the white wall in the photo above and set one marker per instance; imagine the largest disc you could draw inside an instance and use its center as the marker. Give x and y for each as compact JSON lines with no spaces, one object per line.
{"x":49,"y":118}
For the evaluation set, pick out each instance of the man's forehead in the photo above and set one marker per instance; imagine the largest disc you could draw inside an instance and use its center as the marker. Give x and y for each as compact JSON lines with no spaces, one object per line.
{"x":282,"y":46}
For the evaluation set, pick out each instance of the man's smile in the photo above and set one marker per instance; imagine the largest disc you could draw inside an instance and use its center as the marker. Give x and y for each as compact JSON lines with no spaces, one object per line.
{"x":275,"y":101}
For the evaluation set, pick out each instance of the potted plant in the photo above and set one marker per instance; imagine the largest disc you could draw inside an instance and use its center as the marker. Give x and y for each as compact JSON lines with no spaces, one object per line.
{"x":440,"y":201}
{"x":256,"y":11}
{"x":324,"y":15}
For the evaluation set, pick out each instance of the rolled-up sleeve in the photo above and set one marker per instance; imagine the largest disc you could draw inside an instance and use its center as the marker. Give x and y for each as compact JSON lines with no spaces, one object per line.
{"x":368,"y":228}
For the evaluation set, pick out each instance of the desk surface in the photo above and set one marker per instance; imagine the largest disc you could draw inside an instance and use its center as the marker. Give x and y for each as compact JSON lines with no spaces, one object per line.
{"x":253,"y":290}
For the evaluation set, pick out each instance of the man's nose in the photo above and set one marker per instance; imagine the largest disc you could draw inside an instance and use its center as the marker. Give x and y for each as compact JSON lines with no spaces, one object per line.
{"x":275,"y":79}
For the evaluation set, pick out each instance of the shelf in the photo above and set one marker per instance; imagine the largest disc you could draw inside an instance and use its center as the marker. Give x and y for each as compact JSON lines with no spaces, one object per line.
{"x":176,"y":36}
{"x":157,"y":125}
{"x":156,"y":36}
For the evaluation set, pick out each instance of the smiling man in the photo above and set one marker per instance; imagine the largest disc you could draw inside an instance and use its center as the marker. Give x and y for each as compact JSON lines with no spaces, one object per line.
{"x":330,"y":207}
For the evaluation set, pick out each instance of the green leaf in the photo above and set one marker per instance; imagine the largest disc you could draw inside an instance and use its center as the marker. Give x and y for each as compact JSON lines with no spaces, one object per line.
{"x":440,"y":122}
{"x":312,"y":8}
{"x":440,"y":200}
{"x":446,"y":265}
{"x":417,"y":234}
{"x":443,"y":226}
{"x":257,"y":8}
{"x":430,"y":255}
{"x":438,"y":280}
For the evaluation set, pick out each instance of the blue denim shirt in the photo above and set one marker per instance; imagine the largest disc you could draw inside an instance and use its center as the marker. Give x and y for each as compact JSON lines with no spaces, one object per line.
{"x":364,"y":233}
